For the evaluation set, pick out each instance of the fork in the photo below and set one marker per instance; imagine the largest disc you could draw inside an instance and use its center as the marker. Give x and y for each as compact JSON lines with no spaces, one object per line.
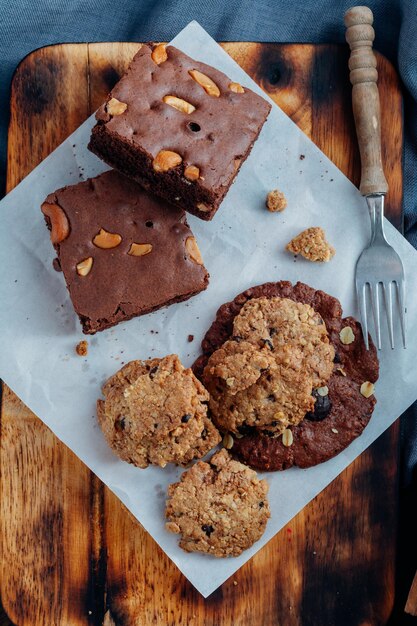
{"x":379,"y":267}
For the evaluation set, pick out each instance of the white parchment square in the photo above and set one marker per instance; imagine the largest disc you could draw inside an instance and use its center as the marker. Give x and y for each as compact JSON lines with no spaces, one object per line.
{"x":243,"y":246}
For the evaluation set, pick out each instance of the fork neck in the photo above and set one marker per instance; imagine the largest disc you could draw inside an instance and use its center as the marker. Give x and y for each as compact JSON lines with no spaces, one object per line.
{"x":376,"y":213}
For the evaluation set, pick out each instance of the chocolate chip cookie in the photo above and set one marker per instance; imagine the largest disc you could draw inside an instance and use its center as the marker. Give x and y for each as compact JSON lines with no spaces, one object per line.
{"x":155,"y":412}
{"x":219,"y":507}
{"x":340,"y":411}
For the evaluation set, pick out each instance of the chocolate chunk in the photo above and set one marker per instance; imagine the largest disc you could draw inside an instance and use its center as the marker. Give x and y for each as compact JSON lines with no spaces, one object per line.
{"x":120,"y":423}
{"x":321,"y":408}
{"x":153,"y":371}
{"x":208,"y":529}
{"x":246,"y":430}
{"x":186,"y":418}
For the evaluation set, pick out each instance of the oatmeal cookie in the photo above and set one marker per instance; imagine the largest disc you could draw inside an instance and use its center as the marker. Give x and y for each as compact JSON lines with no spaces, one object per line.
{"x":278,"y":323}
{"x":293,"y":339}
{"x":238,"y":365}
{"x":312,"y":245}
{"x":219,"y":507}
{"x":338,"y":416}
{"x":155,"y":412}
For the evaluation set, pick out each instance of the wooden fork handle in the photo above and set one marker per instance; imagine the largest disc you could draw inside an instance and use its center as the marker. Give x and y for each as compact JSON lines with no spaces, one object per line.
{"x":365,"y":98}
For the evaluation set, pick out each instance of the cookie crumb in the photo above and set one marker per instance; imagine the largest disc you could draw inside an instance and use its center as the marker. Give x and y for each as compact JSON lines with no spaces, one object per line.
{"x":302,"y":157}
{"x":312,"y":245}
{"x":190,"y":338}
{"x":82,"y":348}
{"x":276,"y":201}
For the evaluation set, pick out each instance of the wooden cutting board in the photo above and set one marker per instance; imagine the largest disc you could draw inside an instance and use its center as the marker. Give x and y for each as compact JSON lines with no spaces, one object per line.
{"x":71,"y":554}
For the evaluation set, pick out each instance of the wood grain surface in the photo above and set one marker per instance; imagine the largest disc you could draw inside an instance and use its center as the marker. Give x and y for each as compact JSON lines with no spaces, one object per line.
{"x":70,"y":553}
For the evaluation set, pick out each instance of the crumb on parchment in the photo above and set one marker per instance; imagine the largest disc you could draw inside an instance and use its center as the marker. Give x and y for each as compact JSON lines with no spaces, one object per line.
{"x":82,"y":348}
{"x":276,"y":201}
{"x":312,"y":245}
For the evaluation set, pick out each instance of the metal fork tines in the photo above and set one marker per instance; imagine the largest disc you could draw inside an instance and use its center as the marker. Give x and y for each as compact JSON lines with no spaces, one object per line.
{"x":379,"y":271}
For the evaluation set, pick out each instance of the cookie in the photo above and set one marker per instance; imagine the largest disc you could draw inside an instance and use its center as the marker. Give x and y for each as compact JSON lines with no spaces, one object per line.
{"x":281,"y":322}
{"x":155,"y":412}
{"x":292,"y":341}
{"x":339,"y":416}
{"x":220,"y":507}
{"x":238,"y":364}
{"x":312,"y":245}
{"x":276,"y":201}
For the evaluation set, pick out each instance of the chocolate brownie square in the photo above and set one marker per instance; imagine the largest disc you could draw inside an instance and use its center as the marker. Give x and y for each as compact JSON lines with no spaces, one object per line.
{"x":123,"y":252}
{"x":179,"y":127}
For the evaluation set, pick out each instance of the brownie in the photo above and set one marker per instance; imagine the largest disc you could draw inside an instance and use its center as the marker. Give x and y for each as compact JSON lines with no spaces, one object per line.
{"x":178,"y":127}
{"x":339,"y":417}
{"x":123,"y":252}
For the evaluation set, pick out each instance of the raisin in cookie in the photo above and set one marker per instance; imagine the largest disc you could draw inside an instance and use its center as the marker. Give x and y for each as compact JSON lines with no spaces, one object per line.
{"x":340,"y":411}
{"x":264,"y":376}
{"x":155,"y":412}
{"x":219,"y":507}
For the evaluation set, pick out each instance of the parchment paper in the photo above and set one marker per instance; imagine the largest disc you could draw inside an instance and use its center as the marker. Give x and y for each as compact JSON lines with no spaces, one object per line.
{"x":242,"y":246}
